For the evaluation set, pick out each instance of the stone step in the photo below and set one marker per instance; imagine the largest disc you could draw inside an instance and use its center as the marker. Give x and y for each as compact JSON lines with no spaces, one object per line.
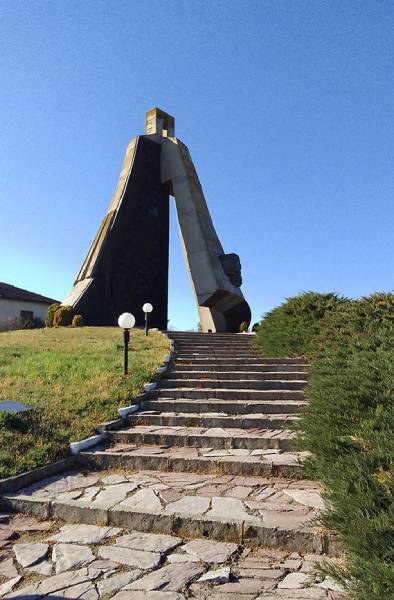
{"x":215,"y":340}
{"x":198,"y":437}
{"x":234,"y":384}
{"x":225,"y":407}
{"x":198,"y":335}
{"x":220,"y":353}
{"x":252,"y":375}
{"x":132,"y":562}
{"x":234,"y":367}
{"x":238,"y":361}
{"x":209,"y":420}
{"x":254,"y":511}
{"x":215,"y":347}
{"x":257,"y":463}
{"x":227,"y":394}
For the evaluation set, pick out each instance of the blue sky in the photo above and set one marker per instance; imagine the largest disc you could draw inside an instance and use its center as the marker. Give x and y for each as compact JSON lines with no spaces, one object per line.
{"x":286,"y":107}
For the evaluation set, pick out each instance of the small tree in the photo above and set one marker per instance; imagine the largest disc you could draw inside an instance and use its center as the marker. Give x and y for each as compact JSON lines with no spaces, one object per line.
{"x":77,"y":321}
{"x":243,"y":327}
{"x":50,"y":314}
{"x":63,"y":316}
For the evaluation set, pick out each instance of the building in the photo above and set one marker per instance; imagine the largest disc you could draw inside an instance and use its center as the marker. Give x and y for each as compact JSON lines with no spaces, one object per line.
{"x":21,"y":305}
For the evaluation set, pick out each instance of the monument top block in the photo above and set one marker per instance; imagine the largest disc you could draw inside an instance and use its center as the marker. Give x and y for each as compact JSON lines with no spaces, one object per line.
{"x":158,"y":121}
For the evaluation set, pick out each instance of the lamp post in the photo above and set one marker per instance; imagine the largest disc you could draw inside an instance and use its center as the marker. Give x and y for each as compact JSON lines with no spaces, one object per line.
{"x":147,"y":308}
{"x":126,"y":321}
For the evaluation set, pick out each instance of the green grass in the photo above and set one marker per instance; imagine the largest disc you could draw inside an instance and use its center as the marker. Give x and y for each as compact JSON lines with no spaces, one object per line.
{"x":74,"y":379}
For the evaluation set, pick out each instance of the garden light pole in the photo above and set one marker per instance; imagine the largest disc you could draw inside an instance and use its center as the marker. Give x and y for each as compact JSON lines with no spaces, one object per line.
{"x":147,"y":308}
{"x":126,"y":321}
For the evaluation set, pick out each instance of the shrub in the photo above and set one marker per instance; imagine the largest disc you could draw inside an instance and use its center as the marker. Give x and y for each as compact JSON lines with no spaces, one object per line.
{"x":293,"y":328}
{"x":77,"y":321}
{"x":50,"y":314}
{"x":63,"y":316}
{"x":348,"y":426}
{"x":19,"y":323}
{"x":243,"y":327}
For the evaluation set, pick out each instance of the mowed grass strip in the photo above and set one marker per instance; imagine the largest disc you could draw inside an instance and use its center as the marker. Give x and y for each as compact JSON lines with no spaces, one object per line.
{"x":74,"y":379}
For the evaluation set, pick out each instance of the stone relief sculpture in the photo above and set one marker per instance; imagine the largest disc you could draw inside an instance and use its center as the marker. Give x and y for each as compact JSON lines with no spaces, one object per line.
{"x":127,"y":263}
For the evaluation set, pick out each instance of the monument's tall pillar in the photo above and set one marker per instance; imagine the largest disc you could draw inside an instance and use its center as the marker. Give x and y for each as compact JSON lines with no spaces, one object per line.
{"x":127,"y":263}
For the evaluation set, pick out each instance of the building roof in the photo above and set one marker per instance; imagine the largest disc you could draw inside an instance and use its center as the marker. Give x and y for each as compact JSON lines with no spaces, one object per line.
{"x":10,"y":292}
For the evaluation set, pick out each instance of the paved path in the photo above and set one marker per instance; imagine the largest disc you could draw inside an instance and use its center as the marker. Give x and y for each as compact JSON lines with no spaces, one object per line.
{"x":91,"y":562}
{"x":206,"y":468}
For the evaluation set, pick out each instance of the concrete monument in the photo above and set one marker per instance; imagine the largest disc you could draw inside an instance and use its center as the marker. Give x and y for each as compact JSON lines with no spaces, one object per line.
{"x":127,"y":263}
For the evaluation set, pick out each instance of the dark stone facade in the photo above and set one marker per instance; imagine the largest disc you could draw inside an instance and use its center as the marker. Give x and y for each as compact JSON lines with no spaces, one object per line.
{"x":127,"y":264}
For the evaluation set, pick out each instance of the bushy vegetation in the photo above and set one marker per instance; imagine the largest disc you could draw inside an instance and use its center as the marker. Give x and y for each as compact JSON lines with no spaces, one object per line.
{"x":50,"y":314}
{"x":292,"y":329}
{"x":21,"y":323}
{"x":349,"y":428}
{"x":243,"y":327}
{"x":77,"y":321}
{"x":63,"y":316}
{"x":73,"y":377}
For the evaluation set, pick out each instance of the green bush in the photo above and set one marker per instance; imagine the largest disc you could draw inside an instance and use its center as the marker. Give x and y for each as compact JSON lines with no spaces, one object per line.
{"x":293,"y":328}
{"x":348,"y":426}
{"x":243,"y":327}
{"x":77,"y":321}
{"x":63,"y":316}
{"x":50,"y":314}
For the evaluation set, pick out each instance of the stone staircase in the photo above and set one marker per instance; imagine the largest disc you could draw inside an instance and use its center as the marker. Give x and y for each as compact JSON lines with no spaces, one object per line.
{"x":199,"y":495}
{"x":209,"y":453}
{"x":214,"y":419}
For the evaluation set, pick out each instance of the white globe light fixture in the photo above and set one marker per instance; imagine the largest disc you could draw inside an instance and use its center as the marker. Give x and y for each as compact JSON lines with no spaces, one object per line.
{"x":126,"y":321}
{"x":147,"y":308}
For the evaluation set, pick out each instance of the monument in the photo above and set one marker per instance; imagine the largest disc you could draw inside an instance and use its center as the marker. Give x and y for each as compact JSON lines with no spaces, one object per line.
{"x":127,"y":264}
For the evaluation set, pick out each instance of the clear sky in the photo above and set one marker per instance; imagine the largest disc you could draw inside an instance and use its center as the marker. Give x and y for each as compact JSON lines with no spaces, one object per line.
{"x":286,"y":107}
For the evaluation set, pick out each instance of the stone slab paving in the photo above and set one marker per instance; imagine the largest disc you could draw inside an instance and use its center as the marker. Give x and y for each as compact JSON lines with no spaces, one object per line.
{"x":127,"y":565}
{"x":160,"y":490}
{"x":228,"y":508}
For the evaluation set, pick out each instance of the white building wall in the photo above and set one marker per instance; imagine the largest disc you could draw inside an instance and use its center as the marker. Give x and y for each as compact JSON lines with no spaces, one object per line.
{"x":11,"y":309}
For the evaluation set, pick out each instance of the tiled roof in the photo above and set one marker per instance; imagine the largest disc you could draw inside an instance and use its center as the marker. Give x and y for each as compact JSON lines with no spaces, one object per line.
{"x":10,"y":292}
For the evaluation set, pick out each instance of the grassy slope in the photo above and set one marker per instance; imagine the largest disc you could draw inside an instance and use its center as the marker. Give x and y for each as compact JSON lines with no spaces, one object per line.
{"x":74,"y":377}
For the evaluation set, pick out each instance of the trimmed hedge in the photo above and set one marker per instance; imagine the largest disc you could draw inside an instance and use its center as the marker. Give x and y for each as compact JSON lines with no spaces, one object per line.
{"x":63,"y":316}
{"x":77,"y":321}
{"x":293,"y":328}
{"x":51,"y":314}
{"x":348,"y":427}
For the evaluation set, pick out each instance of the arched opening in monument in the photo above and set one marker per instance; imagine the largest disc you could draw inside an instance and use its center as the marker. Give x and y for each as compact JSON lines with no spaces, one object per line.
{"x":182,"y":310}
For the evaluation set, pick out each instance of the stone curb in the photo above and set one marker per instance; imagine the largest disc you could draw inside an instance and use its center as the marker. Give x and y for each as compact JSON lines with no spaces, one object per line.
{"x":102,"y":428}
{"x":128,"y":410}
{"x":93,"y":440}
{"x":15,"y":483}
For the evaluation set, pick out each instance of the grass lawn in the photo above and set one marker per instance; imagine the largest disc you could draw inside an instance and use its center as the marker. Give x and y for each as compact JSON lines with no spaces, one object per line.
{"x":74,"y":378}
